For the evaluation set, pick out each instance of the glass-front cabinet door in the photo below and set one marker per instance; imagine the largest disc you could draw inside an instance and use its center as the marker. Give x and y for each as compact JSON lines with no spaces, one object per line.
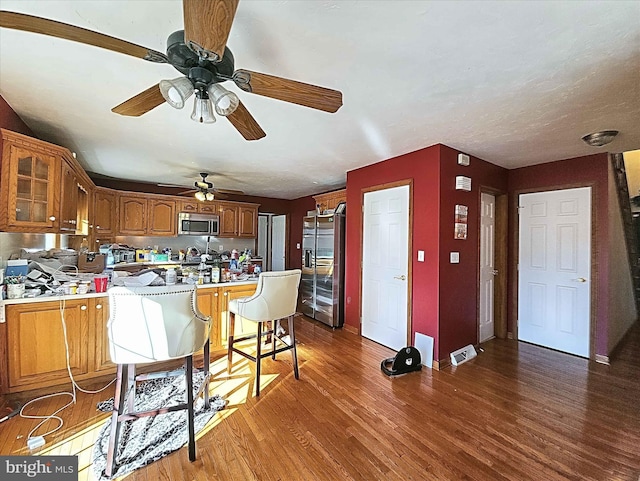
{"x":31,"y":188}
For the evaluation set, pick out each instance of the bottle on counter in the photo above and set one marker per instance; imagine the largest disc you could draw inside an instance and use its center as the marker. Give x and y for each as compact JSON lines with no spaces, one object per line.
{"x":171,"y":276}
{"x":215,"y":271}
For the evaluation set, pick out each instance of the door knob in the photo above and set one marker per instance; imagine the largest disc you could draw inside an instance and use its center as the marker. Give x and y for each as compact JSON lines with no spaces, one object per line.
{"x":401,"y":278}
{"x":579,"y":279}
{"x":494,"y":272}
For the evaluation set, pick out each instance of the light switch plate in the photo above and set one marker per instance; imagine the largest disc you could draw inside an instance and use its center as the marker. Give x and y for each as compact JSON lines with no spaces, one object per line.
{"x":454,"y":257}
{"x":463,"y":183}
{"x":420,"y":256}
{"x":298,"y":245}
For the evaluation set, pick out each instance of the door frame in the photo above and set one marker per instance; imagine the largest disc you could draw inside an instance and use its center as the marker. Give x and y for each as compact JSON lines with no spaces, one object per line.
{"x":374,"y":188}
{"x":501,"y":244}
{"x":515,"y":248}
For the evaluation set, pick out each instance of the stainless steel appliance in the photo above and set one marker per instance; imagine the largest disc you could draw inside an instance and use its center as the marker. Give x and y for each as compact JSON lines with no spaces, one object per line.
{"x":322,"y":282}
{"x":198,"y":224}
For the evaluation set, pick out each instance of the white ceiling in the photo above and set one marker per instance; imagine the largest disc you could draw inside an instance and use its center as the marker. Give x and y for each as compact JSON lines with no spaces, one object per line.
{"x":514,"y":83}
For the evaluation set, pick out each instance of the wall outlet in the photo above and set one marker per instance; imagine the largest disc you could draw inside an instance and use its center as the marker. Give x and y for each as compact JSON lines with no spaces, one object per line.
{"x":420,"y":256}
{"x":221,"y":248}
{"x":298,"y":245}
{"x":454,"y":257}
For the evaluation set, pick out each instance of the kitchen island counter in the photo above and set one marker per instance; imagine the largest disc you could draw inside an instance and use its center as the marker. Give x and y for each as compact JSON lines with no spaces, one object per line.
{"x":32,"y":335}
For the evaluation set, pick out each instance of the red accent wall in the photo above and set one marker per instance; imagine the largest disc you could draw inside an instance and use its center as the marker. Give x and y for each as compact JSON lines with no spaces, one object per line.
{"x":459,"y":283}
{"x":11,"y":121}
{"x":591,"y":171}
{"x":444,"y":296}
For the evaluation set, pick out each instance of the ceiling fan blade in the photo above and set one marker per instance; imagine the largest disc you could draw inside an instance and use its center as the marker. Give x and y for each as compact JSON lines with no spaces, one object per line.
{"x":244,"y":123}
{"x":300,"y":93}
{"x":228,"y":191}
{"x":141,"y":103}
{"x":29,"y":23}
{"x":207,"y":24}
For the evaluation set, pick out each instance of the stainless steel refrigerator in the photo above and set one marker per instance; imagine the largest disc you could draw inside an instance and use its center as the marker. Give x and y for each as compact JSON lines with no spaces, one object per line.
{"x":322,"y":282}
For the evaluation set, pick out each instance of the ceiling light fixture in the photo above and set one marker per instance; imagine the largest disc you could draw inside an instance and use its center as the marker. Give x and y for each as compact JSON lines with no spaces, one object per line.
{"x":598,"y":139}
{"x":225,"y":102}
{"x":176,"y":91}
{"x":202,"y":109}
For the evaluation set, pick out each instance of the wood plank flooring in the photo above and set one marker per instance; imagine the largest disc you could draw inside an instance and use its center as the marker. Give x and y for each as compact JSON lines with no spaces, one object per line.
{"x":516,"y":412}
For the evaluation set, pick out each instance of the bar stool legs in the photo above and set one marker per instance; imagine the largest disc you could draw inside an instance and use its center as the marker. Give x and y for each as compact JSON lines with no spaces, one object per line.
{"x":291,"y":345}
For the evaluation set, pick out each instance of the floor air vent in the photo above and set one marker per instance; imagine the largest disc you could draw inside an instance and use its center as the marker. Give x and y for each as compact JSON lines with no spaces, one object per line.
{"x":463,"y":355}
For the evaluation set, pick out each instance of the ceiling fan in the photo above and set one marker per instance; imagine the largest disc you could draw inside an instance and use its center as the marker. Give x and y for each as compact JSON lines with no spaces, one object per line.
{"x":200,"y":54}
{"x":204,"y":190}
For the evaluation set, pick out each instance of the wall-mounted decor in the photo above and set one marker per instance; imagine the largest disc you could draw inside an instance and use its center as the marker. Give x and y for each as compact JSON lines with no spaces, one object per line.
{"x":460,"y":223}
{"x":463,"y":183}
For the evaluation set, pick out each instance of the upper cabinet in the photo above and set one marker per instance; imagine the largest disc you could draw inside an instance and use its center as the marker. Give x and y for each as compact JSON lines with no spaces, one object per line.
{"x":105,"y":212}
{"x":196,"y":206}
{"x":330,"y":200}
{"x":145,"y":215}
{"x":76,"y":196}
{"x":29,"y":193}
{"x":238,"y":219}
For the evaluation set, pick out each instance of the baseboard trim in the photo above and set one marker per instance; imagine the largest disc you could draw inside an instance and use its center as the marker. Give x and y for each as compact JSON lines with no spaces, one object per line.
{"x":602,"y":359}
{"x":439,"y":365}
{"x":351,"y":329}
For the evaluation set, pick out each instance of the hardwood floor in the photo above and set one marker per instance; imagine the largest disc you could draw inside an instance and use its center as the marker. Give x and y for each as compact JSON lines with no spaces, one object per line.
{"x":516,"y":412}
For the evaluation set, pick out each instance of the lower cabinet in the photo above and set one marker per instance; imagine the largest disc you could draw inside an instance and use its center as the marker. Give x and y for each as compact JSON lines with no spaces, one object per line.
{"x":34,"y":355}
{"x":36,"y":352}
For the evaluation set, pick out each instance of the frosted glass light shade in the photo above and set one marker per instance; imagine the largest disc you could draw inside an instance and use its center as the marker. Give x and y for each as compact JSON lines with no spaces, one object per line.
{"x":176,"y":91}
{"x":200,"y":196}
{"x":203,"y":111}
{"x":225,"y":102}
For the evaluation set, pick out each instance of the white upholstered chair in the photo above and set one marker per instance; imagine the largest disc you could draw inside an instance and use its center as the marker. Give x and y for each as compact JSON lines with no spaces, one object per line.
{"x":276,"y":298}
{"x":147,"y":325}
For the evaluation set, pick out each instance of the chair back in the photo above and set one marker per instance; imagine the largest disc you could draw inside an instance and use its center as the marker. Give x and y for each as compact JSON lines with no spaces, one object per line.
{"x":148,"y":324}
{"x":276,"y":296}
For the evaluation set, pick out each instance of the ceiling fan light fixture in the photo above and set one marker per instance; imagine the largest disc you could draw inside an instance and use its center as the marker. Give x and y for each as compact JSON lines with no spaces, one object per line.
{"x":200,"y":195}
{"x":225,"y":101}
{"x":209,"y":196}
{"x":176,"y":91}
{"x":203,"y":109}
{"x":598,"y":139}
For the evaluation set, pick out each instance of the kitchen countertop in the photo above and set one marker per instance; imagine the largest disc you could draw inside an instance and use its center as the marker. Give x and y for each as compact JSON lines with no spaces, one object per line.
{"x":54,"y":297}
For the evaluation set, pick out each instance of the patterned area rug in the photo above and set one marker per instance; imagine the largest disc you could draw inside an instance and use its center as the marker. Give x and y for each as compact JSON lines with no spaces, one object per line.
{"x":148,"y":439}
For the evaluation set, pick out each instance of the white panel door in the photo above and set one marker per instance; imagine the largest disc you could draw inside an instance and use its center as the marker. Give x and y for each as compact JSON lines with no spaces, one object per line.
{"x":554,"y":269}
{"x":385,"y":263}
{"x":278,"y":233}
{"x":487,"y":266}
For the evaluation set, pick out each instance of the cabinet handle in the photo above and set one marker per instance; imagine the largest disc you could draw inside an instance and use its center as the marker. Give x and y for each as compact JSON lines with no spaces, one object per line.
{"x":83,"y":308}
{"x":52,"y":218}
{"x":97,"y":227}
{"x":215,"y":295}
{"x":226,"y":293}
{"x":98,"y":306}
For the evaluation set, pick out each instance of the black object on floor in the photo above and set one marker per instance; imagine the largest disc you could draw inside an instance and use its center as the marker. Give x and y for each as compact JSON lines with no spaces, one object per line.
{"x":407,"y":360}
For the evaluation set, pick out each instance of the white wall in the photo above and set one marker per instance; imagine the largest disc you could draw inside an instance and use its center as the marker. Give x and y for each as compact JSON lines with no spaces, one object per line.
{"x":622,"y":306}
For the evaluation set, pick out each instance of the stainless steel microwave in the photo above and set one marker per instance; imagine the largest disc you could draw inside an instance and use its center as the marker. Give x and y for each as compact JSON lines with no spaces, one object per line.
{"x":198,"y":224}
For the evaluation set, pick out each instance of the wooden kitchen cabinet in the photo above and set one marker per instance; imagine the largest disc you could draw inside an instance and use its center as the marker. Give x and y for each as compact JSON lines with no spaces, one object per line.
{"x":36,"y":342}
{"x":141,"y":215}
{"x":238,"y":219}
{"x":330,"y":200}
{"x":227,"y":293}
{"x":162,"y":217}
{"x":105,"y":216}
{"x":247,"y":221}
{"x":133,"y":215}
{"x":228,"y":213}
{"x":77,"y":190}
{"x":99,"y":308}
{"x":196,"y":206}
{"x":29,"y":189}
{"x":208,"y":304}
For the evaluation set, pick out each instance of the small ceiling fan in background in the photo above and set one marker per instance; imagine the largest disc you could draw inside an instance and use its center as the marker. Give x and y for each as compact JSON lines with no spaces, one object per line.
{"x":200,"y":54}
{"x":204,"y":190}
